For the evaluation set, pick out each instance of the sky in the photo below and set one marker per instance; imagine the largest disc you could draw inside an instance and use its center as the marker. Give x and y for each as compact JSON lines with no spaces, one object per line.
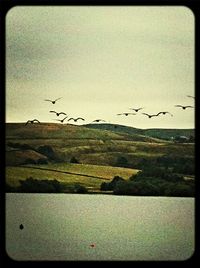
{"x":101,"y":61}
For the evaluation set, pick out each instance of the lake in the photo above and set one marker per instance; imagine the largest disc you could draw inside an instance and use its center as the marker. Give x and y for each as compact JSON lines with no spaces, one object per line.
{"x":98,"y":227}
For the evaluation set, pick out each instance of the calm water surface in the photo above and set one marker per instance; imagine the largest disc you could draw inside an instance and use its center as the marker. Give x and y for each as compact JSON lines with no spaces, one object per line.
{"x":63,"y":227}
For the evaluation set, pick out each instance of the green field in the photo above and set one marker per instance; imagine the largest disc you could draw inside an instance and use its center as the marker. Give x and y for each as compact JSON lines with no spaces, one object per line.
{"x":79,"y":155}
{"x":88,"y":146}
{"x":92,"y":178}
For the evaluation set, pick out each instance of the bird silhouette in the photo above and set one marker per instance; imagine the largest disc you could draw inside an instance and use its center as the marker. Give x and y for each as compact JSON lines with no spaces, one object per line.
{"x":62,"y":120}
{"x":21,"y":226}
{"x":136,"y":110}
{"x":99,"y":120}
{"x":53,"y":101}
{"x":76,"y":119}
{"x":184,"y":107}
{"x":32,"y":121}
{"x":151,"y":115}
{"x":191,"y":96}
{"x":57,"y":113}
{"x":126,"y":114}
{"x":164,"y":113}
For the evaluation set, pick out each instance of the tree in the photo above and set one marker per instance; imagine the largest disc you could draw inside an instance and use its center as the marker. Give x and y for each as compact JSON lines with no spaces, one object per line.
{"x":104,"y":186}
{"x":30,"y":161}
{"x":80,"y":189}
{"x":42,"y":161}
{"x":31,"y":185}
{"x":74,"y":160}
{"x":191,"y":138}
{"x":109,"y":186}
{"x":47,"y":151}
{"x":122,"y":162}
{"x":10,"y":189}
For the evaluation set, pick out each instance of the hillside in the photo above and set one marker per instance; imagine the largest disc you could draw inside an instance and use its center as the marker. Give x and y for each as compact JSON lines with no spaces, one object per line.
{"x":81,"y":158}
{"x":68,"y":131}
{"x":90,"y":176}
{"x":158,"y":133}
{"x":51,"y":142}
{"x":18,"y":157}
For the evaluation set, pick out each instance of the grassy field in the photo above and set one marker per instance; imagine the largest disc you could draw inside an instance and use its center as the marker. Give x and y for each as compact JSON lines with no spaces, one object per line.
{"x":93,"y":175}
{"x":97,"y":151}
{"x":56,"y":131}
{"x":159,"y":133}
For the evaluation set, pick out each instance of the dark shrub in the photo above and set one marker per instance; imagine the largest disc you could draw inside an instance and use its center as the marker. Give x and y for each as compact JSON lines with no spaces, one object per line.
{"x":20,"y":146}
{"x":136,"y":188}
{"x":26,"y":147}
{"x":31,"y":185}
{"x":180,"y":189}
{"x":115,"y":180}
{"x":122,"y":162}
{"x":10,"y":189}
{"x":104,"y":186}
{"x":79,"y":189}
{"x":157,"y":173}
{"x":74,"y":160}
{"x":108,"y":186}
{"x":47,"y":151}
{"x":42,"y":161}
{"x":30,"y":161}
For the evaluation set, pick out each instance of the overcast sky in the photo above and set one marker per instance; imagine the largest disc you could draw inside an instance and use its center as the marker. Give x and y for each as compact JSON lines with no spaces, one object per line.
{"x":101,"y":61}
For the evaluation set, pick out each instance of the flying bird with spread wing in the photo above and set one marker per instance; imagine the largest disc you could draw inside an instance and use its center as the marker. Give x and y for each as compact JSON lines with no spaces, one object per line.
{"x":32,"y":121}
{"x":136,"y":109}
{"x":76,"y":119}
{"x":151,"y":115}
{"x":164,"y":113}
{"x":184,"y":107}
{"x":53,"y":101}
{"x":98,"y":120}
{"x":191,"y":96}
{"x":126,"y":114}
{"x":57,"y":113}
{"x":62,"y":120}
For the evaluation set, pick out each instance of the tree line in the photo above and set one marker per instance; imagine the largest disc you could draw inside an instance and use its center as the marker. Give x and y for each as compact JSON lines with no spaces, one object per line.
{"x":31,"y":185}
{"x":151,"y":182}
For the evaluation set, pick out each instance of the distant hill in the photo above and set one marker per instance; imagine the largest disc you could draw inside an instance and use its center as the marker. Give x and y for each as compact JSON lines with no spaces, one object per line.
{"x":18,"y":157}
{"x":159,"y":133}
{"x":68,"y":131}
{"x":92,"y":151}
{"x":97,"y":144}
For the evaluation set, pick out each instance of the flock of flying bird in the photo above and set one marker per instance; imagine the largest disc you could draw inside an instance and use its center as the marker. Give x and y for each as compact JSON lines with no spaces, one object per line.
{"x":184,"y":107}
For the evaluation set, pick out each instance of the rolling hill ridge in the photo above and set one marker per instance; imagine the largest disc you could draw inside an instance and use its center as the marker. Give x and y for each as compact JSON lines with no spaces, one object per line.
{"x":80,"y":156}
{"x":87,"y":144}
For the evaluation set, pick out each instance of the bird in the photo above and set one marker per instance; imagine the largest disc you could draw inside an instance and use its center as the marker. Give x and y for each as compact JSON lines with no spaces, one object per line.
{"x":136,"y":110}
{"x":76,"y":119}
{"x":126,"y":114}
{"x":21,"y":226}
{"x":92,"y":245}
{"x":62,"y":120}
{"x":57,"y":113}
{"x":53,"y":101}
{"x":99,"y":120}
{"x":32,"y":121}
{"x":151,"y":115}
{"x":184,"y":107}
{"x":164,"y":113}
{"x":191,"y":96}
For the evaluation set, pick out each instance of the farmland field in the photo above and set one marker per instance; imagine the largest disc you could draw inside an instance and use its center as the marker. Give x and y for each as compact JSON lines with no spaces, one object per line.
{"x":92,"y":175}
{"x":80,"y":155}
